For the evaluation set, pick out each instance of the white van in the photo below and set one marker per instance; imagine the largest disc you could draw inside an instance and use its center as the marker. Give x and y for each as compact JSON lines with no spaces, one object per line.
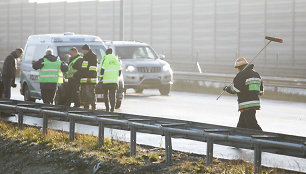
{"x":61,"y":44}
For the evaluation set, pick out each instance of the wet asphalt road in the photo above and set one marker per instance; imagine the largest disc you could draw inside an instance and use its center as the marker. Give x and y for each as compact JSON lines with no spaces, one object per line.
{"x":275,"y":116}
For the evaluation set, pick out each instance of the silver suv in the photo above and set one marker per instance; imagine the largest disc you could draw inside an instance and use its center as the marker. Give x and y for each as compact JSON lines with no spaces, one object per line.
{"x":142,"y":67}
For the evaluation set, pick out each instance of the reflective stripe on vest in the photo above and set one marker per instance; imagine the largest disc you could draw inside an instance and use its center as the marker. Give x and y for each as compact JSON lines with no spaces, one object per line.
{"x":50,"y":72}
{"x":84,"y":64}
{"x":71,"y":71}
{"x":249,"y":104}
{"x":89,"y":80}
{"x":111,"y":67}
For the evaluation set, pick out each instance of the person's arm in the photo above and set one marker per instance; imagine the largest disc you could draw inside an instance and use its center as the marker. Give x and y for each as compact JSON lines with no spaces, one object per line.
{"x":261,"y":92}
{"x":38,"y":64}
{"x":120,"y":72}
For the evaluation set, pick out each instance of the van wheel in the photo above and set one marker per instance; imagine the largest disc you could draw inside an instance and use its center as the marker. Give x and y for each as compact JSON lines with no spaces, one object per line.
{"x":118,"y":104}
{"x":27,"y":95}
{"x":165,"y":89}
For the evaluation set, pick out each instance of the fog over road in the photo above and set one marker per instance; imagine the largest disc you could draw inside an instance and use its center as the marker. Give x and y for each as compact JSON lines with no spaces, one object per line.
{"x":275,"y":116}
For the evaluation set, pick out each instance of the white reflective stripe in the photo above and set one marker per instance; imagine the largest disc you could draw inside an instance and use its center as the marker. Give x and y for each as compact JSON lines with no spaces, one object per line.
{"x":249,"y":102}
{"x":49,"y":76}
{"x":235,"y":89}
{"x":109,"y":80}
{"x":111,"y":70}
{"x":92,"y":67}
{"x":49,"y":70}
{"x":253,"y":79}
{"x":85,"y":61}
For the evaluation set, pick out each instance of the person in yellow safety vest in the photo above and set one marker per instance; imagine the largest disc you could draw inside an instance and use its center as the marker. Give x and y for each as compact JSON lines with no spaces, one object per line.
{"x":89,"y":77}
{"x":50,"y":75}
{"x":110,"y":73}
{"x":73,"y":76}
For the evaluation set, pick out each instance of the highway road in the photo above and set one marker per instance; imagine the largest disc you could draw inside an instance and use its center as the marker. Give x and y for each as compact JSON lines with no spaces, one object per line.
{"x":275,"y":116}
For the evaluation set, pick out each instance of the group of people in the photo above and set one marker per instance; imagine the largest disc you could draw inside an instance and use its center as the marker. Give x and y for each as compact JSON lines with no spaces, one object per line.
{"x":82,"y":71}
{"x":81,"y":74}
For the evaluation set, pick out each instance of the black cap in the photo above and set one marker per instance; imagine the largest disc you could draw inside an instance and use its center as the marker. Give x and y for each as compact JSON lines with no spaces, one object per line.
{"x":85,"y":47}
{"x":20,"y":50}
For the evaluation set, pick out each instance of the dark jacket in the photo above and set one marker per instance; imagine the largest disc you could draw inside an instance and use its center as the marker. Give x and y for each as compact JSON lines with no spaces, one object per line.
{"x":10,"y":67}
{"x":92,"y":60}
{"x":78,"y":66}
{"x":40,"y":63}
{"x":248,"y":86}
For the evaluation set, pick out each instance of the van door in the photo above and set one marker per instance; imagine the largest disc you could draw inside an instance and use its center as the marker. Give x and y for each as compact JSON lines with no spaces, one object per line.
{"x":29,"y":76}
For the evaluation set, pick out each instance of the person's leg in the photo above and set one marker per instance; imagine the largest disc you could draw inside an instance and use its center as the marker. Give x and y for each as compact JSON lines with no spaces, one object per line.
{"x":241,"y":122}
{"x":84,"y":95}
{"x":44,"y":95}
{"x":7,"y":83}
{"x":106,"y":96}
{"x":251,"y":120}
{"x":112,"y":96}
{"x":69,"y":93}
{"x":92,"y":94}
{"x":76,"y":93}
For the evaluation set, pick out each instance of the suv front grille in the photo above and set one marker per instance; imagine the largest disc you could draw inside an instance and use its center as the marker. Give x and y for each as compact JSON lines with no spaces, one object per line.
{"x":149,"y":69}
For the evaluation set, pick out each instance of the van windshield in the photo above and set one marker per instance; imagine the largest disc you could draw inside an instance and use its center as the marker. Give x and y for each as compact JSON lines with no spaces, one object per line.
{"x":135,"y":52}
{"x":99,"y":50}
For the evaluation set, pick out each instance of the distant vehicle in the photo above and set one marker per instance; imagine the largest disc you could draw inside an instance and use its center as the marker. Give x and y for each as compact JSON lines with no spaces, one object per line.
{"x":61,"y":44}
{"x":142,"y":67}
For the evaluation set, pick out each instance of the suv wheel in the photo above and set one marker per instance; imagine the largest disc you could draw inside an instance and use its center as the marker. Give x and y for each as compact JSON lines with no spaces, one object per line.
{"x":165,"y":89}
{"x":27,"y":95}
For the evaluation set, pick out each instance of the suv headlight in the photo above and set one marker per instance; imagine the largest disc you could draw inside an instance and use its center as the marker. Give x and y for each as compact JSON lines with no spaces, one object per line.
{"x":130,"y":68}
{"x":166,"y":68}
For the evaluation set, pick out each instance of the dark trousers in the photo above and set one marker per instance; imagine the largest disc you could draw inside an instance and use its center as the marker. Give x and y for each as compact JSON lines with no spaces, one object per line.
{"x":7,"y":84}
{"x":248,"y":120}
{"x":110,"y":91}
{"x":88,"y":94}
{"x":48,"y":95}
{"x":73,"y":92}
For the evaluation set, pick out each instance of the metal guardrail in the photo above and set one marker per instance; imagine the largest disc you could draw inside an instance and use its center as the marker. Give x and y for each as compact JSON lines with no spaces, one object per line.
{"x":227,"y":78}
{"x":170,"y":128}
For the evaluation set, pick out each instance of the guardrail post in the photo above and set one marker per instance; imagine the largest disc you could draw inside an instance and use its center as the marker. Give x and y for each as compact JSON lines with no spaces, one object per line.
{"x":168,"y":147}
{"x":45,"y":124}
{"x":20,"y":119}
{"x":71,"y":129}
{"x":210,"y":151}
{"x":133,"y":141}
{"x":257,"y":158}
{"x":101,"y":133}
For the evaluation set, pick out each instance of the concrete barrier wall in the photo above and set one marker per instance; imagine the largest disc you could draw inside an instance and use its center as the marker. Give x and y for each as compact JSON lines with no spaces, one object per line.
{"x":213,"y":32}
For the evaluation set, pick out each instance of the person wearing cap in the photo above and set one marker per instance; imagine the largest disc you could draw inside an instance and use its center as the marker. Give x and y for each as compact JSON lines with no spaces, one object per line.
{"x":88,"y":77}
{"x":51,"y":70}
{"x":110,"y":73}
{"x":248,"y":86}
{"x":9,"y":71}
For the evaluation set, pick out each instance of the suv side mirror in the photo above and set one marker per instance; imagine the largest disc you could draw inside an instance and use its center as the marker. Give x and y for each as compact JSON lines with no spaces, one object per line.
{"x":162,"y":57}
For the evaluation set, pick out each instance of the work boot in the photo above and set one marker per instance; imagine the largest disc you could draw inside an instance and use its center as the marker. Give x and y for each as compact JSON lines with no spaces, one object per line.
{"x":112,"y":110}
{"x":86,"y":106}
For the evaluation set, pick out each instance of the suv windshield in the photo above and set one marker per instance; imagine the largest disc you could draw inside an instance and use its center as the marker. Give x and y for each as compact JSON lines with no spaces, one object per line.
{"x":97,"y":49}
{"x":135,"y":52}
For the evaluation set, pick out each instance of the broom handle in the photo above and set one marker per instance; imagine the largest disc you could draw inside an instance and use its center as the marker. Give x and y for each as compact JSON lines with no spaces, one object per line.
{"x":247,"y":65}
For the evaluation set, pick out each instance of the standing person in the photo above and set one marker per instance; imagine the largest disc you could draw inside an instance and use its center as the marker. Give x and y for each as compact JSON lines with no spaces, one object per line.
{"x":248,"y":86}
{"x":9,"y":71}
{"x":89,"y":77}
{"x":110,"y":72}
{"x":73,"y":76}
{"x":50,"y":75}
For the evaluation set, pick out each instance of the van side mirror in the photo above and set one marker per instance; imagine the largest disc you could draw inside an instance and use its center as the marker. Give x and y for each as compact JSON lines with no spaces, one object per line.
{"x":162,"y":57}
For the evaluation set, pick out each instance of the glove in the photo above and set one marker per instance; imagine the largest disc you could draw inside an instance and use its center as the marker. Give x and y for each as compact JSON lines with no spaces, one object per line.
{"x":14,"y":85}
{"x":226,"y":88}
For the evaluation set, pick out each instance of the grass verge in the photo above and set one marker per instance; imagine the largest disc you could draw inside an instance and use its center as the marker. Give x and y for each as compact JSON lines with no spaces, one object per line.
{"x":28,"y":151}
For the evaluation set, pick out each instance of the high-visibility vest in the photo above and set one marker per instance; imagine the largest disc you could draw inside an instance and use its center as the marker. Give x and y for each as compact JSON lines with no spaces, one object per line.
{"x":111,"y":67}
{"x":51,"y":72}
{"x":71,"y":71}
{"x":92,"y":80}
